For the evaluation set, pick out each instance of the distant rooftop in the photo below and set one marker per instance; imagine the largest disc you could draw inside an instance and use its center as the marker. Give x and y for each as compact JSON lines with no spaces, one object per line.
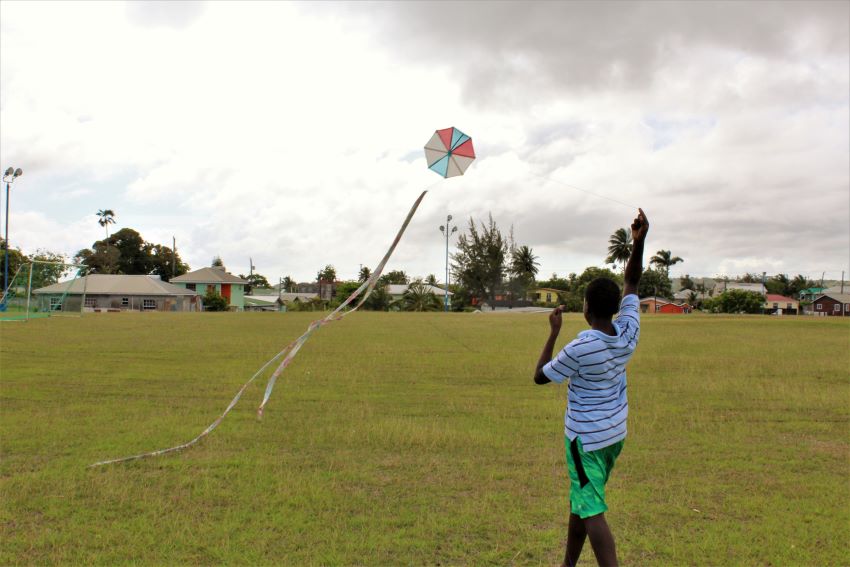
{"x":209,"y":275}
{"x":115,"y":284}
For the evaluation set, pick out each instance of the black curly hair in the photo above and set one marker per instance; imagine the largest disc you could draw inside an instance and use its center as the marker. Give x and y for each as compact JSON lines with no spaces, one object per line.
{"x":603,"y":298}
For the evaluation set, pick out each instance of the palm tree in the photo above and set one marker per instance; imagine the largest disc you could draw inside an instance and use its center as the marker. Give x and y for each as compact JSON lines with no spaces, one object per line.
{"x":619,"y":247}
{"x":419,"y":298}
{"x":365,"y":274}
{"x":431,"y":279}
{"x":665,"y":259}
{"x":288,"y":284}
{"x":107,"y":217}
{"x":524,"y":263}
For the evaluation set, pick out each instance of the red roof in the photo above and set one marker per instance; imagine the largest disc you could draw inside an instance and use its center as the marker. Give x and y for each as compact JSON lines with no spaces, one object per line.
{"x":779,"y":298}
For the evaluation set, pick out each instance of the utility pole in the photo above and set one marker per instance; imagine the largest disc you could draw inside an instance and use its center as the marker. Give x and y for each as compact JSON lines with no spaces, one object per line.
{"x":447,"y":232}
{"x":764,"y":287}
{"x":842,"y":281}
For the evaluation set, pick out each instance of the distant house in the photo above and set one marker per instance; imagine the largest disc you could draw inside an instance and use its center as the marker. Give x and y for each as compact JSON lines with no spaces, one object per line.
{"x":115,"y":292}
{"x":780,"y":305}
{"x":227,"y":285}
{"x":654,"y":304}
{"x":287,"y":298}
{"x":683,"y":294}
{"x":832,"y":305}
{"x":545,"y":295}
{"x":262,"y":303}
{"x":396,"y":291}
{"x":809,"y":294}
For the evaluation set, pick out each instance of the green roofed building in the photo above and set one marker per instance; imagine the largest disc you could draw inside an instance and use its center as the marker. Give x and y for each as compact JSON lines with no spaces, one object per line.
{"x":227,"y":285}
{"x":115,"y":292}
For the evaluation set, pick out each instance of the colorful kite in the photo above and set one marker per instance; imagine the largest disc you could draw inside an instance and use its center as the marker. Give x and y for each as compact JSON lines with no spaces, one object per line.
{"x":449,"y":152}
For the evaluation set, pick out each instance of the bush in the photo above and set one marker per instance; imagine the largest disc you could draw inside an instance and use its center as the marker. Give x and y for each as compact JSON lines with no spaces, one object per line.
{"x":213,"y":301}
{"x":735,"y":301}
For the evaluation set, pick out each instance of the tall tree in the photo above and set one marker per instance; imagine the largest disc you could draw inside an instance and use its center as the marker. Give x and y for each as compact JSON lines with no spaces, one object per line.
{"x":686,"y":282}
{"x":398,"y":277}
{"x":166,"y":264}
{"x":479,"y":264}
{"x":288,"y":283}
{"x":619,"y":247}
{"x":654,"y":282}
{"x":255,"y":281}
{"x":217,"y":262}
{"x":328,"y":274}
{"x":799,"y":283}
{"x":664,"y":259}
{"x":126,"y":252}
{"x":107,"y":217}
{"x":431,"y":279}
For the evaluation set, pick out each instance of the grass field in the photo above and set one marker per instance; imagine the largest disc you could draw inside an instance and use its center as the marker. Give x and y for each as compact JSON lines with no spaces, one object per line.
{"x":415,"y":439}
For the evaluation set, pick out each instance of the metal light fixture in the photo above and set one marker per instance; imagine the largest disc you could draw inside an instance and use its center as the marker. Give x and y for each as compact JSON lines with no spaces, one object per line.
{"x":446,"y":232}
{"x":9,"y":177}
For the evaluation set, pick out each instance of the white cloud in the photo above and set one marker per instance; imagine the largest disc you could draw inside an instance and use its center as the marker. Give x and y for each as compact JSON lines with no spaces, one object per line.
{"x":286,"y":133}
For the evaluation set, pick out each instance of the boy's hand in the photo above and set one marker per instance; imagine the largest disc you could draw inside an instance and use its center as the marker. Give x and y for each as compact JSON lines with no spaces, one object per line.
{"x":555,"y":320}
{"x":640,"y":227}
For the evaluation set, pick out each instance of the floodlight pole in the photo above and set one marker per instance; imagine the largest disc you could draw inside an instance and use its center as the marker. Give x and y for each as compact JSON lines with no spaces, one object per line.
{"x":447,"y":232}
{"x":9,"y":177}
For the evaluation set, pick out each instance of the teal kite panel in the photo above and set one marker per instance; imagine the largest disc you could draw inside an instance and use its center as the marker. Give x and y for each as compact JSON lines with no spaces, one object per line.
{"x":458,"y":138}
{"x":441,"y":166}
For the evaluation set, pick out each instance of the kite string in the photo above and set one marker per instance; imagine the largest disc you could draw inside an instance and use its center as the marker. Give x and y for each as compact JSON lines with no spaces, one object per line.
{"x":290,"y":350}
{"x":613,"y":200}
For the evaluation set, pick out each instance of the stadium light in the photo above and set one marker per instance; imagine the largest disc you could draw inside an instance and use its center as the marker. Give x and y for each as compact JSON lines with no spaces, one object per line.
{"x":9,"y":177}
{"x":446,"y":232}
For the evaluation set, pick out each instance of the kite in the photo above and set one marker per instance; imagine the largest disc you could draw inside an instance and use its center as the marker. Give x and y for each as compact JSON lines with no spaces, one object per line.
{"x":449,"y":152}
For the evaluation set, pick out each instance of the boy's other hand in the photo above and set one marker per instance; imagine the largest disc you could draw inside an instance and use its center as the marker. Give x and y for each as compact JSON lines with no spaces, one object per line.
{"x":640,"y":226}
{"x":555,"y":320}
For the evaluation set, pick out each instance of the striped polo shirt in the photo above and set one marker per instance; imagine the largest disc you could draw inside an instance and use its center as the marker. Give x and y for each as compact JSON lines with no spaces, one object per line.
{"x":595,"y":365}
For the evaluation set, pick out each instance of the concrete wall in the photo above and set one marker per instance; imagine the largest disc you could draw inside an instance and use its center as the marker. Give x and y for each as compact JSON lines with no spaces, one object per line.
{"x":115,"y":302}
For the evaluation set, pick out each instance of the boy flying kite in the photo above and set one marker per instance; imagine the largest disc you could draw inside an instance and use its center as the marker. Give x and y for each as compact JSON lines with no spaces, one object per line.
{"x":594,"y":363}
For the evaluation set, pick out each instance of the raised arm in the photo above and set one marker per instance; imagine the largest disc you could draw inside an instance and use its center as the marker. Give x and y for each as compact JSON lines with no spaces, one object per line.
{"x":634,"y":268}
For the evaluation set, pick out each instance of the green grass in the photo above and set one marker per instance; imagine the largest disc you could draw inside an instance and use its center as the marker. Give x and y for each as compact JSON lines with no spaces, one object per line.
{"x":414,"y":439}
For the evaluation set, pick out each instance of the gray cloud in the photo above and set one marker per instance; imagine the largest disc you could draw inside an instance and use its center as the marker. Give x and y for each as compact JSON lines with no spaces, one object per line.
{"x":175,"y":15}
{"x":495,"y":47}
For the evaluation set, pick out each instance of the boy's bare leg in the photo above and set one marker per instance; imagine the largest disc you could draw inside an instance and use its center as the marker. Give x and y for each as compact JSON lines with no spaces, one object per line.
{"x":576,"y":535}
{"x":601,"y":540}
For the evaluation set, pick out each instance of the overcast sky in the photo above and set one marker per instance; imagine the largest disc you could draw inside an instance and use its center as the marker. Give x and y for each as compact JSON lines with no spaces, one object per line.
{"x":293,"y":133}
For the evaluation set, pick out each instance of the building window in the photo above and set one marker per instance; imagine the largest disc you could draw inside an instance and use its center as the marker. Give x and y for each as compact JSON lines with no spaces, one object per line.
{"x":775,"y":305}
{"x":818,"y":306}
{"x":836,"y":308}
{"x":91,"y":302}
{"x":125,"y":302}
{"x":148,"y":304}
{"x":56,"y":304}
{"x":548,"y":298}
{"x":788,"y":306}
{"x":847,"y":307}
{"x":190,"y":286}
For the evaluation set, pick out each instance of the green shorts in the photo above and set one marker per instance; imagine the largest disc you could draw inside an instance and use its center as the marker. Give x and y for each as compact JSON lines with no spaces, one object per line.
{"x":588,"y":476}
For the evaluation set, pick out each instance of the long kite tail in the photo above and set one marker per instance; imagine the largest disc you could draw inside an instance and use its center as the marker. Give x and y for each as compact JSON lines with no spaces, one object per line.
{"x":339,"y":313}
{"x":289,"y":350}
